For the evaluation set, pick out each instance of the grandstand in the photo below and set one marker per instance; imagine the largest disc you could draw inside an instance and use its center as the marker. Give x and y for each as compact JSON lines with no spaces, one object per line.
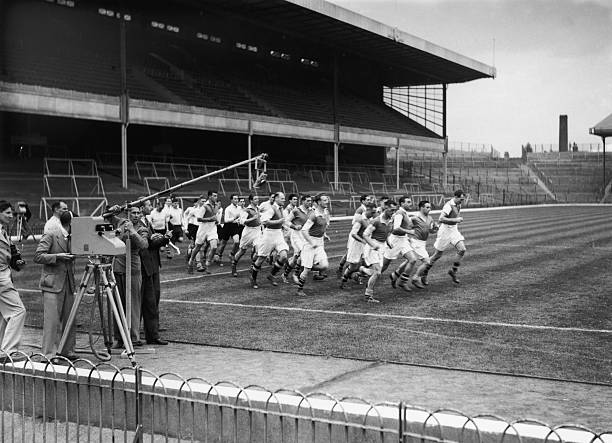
{"x":207,"y":90}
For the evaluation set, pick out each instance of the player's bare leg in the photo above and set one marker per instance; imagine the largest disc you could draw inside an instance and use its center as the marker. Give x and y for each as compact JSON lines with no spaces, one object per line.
{"x":404,"y":270}
{"x":425,"y":267}
{"x":460,"y":247}
{"x":279,"y":262}
{"x":321,"y":267}
{"x":373,"y":272}
{"x":348,"y":273}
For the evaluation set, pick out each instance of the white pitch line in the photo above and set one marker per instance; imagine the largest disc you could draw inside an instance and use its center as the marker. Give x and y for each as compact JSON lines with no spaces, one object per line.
{"x":214,"y":274}
{"x":393,"y":316}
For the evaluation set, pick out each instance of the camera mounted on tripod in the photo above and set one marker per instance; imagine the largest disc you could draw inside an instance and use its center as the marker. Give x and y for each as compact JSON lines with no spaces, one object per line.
{"x":95,"y":236}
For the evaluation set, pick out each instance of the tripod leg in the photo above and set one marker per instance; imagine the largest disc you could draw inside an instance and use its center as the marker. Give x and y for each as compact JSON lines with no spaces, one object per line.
{"x":75,"y":307}
{"x":114,"y":300}
{"x":106,"y":328}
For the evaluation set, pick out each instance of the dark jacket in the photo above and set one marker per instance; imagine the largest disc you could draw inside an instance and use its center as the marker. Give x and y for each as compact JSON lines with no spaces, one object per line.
{"x":149,"y":257}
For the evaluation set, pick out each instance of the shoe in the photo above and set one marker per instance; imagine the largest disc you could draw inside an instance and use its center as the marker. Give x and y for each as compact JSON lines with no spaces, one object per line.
{"x":216,"y":258}
{"x":72,"y":356}
{"x":453,"y":275}
{"x":137,"y":343}
{"x":118,"y":345}
{"x":234,"y":272}
{"x":284,"y":278}
{"x":300,"y":293}
{"x":417,"y":284}
{"x":220,"y":264}
{"x":272,"y":280}
{"x":169,"y":257}
{"x":405,"y":288}
{"x":371,"y":299}
{"x":253,"y":282}
{"x":157,"y":341}
{"x":343,"y":285}
{"x":424,"y":280}
{"x":393,"y":281}
{"x":203,"y":269}
{"x":319,"y":277}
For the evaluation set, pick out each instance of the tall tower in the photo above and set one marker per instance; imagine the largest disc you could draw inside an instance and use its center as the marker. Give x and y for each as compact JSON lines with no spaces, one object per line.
{"x":563,"y":142}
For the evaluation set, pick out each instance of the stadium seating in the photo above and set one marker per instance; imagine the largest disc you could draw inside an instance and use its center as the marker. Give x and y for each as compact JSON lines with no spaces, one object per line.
{"x":573,"y":178}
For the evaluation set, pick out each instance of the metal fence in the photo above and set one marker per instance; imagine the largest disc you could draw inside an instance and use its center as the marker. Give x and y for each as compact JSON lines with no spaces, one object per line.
{"x":82,"y":401}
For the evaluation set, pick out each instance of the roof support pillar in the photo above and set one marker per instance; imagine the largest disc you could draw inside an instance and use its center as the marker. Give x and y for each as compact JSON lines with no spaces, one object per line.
{"x":444,"y":134}
{"x":397,"y":165}
{"x":124,"y":103}
{"x":336,"y":124}
{"x":250,"y":152}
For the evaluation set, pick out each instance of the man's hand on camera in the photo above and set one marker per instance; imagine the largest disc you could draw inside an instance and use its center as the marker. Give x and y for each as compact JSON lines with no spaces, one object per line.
{"x":64,"y":256}
{"x":128,"y":226}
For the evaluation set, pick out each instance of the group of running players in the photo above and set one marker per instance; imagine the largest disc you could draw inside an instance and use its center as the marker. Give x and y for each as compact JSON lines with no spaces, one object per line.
{"x":381,"y":232}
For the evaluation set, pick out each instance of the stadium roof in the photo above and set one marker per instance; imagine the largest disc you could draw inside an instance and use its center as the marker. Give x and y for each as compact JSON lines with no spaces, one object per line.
{"x":405,"y":59}
{"x":603,"y":128}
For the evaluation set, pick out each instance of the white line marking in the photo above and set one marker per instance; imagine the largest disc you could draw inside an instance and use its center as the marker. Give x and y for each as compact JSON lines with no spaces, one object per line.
{"x":393,"y":316}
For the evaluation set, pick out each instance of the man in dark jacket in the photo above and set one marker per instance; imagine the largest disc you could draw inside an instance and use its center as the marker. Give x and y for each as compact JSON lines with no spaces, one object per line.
{"x":150,"y":264}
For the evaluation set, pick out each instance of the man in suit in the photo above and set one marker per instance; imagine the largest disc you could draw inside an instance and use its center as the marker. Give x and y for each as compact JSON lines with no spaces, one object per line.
{"x":12,"y":311}
{"x":150,"y":264}
{"x":57,"y":285}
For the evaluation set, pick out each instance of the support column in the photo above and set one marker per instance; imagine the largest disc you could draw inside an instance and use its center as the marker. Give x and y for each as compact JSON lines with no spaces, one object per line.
{"x":124,"y":161}
{"x":397,"y":165}
{"x":250,"y":153}
{"x":336,"y":124}
{"x":445,"y":153}
{"x":603,"y":139}
{"x":336,"y":170}
{"x":124,"y":104}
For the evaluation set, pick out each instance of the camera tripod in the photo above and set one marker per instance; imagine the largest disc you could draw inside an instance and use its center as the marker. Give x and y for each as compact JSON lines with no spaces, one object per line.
{"x":100,"y":268}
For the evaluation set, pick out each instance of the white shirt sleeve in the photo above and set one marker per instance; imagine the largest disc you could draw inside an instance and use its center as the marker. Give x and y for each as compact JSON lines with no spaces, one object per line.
{"x":397,"y":221}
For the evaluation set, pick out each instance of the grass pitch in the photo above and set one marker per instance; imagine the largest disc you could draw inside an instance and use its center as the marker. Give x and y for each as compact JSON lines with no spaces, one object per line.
{"x":534,"y":299}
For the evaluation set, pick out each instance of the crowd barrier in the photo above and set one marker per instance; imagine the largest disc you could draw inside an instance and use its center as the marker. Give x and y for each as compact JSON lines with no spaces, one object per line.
{"x":100,"y":402}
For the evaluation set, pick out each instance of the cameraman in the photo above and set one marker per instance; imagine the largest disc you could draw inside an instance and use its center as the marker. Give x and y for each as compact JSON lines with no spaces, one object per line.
{"x":139,"y":239}
{"x":57,"y":285}
{"x":151,"y":263}
{"x":54,"y":223}
{"x":12,"y":310}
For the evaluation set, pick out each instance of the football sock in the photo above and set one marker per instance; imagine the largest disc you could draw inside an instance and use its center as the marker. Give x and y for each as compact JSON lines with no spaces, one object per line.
{"x":277,"y":267}
{"x":254,"y":270}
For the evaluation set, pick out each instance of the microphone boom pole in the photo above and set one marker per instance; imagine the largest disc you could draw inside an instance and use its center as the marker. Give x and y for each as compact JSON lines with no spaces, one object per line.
{"x":259,"y":158}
